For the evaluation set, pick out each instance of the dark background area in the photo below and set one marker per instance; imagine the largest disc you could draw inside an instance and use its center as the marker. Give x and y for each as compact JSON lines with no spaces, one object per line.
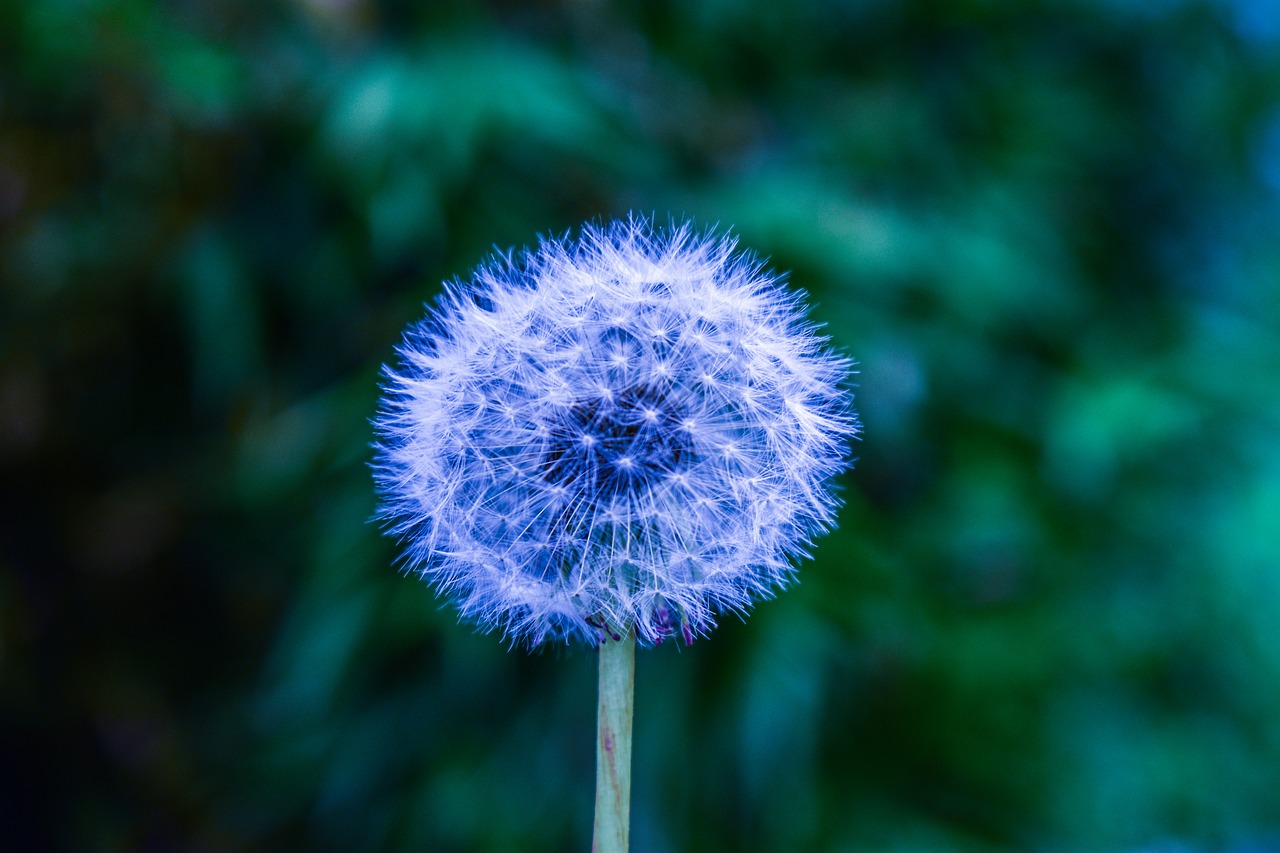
{"x":1048,"y":231}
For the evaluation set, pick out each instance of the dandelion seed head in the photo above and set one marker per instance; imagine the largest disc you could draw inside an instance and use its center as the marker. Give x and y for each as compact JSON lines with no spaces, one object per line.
{"x":636,"y":430}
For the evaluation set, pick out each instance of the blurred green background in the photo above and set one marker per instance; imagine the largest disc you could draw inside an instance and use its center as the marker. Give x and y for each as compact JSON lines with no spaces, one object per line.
{"x":1049,"y":232}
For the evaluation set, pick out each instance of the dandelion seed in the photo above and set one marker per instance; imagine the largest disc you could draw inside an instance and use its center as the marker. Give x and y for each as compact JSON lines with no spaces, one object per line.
{"x":627,"y":433}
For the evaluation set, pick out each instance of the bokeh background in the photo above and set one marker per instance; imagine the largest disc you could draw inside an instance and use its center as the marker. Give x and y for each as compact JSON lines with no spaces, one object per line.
{"x":1048,"y":231}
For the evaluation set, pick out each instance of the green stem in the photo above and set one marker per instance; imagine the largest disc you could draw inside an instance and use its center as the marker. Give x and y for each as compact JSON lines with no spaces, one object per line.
{"x":613,"y":745}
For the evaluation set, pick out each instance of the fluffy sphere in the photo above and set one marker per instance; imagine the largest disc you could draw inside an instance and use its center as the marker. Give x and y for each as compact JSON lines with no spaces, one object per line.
{"x":633,"y":431}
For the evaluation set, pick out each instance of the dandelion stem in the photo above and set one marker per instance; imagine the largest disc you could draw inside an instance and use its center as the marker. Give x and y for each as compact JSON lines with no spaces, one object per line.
{"x":613,"y":745}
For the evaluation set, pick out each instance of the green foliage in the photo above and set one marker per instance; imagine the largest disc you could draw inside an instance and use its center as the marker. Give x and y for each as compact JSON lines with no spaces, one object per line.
{"x":1049,"y":619}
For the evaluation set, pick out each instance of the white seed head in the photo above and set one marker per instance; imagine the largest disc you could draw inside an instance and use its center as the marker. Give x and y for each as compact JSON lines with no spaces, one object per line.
{"x":632,"y":431}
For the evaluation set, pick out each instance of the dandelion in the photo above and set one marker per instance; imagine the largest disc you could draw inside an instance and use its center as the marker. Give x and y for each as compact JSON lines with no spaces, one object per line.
{"x":622,"y":436}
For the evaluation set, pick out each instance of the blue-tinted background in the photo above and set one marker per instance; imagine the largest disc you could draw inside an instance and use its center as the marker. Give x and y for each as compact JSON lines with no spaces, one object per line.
{"x":1050,"y":619}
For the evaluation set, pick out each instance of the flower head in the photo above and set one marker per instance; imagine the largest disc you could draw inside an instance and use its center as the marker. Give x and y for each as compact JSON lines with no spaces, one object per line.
{"x":635,"y":430}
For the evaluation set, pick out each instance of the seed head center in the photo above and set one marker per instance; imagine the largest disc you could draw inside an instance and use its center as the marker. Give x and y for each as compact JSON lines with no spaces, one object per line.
{"x":617,"y":443}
